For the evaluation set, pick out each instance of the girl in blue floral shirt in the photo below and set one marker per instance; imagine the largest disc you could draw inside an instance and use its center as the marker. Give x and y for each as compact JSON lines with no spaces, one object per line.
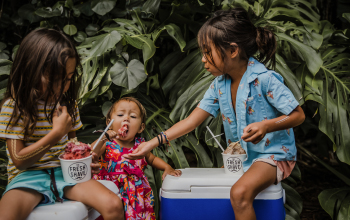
{"x":256,"y":107}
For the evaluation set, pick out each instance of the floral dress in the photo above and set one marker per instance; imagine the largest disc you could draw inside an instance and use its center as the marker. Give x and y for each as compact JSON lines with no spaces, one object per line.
{"x":128,"y":175}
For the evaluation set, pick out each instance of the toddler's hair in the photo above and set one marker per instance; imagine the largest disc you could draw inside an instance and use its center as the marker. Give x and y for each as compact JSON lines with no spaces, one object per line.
{"x":40,"y":63}
{"x":129,"y":99}
{"x":234,"y":26}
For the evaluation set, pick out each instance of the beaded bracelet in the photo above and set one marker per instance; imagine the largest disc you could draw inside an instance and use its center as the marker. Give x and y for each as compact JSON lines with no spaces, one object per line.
{"x":165,"y":136}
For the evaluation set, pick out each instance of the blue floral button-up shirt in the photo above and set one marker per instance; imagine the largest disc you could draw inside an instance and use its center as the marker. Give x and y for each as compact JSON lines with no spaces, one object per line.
{"x":261,"y":95}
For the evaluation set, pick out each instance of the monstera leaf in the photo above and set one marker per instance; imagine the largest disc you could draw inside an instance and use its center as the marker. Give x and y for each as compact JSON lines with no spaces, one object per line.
{"x":128,"y":76}
{"x":102,"y":7}
{"x":336,"y":202}
{"x":335,"y":93}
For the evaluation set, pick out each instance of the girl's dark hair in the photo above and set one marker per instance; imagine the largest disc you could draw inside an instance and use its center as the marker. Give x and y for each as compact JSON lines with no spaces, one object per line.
{"x":42,"y":56}
{"x":234,"y":26}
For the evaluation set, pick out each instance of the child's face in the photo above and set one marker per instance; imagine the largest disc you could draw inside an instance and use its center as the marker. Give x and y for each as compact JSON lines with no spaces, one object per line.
{"x":219,"y":67}
{"x":127,"y":112}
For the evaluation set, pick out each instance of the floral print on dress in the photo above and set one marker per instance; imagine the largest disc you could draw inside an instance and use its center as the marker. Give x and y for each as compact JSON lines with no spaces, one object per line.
{"x":250,"y":110}
{"x":229,"y":121}
{"x":223,"y":117}
{"x":220,"y":93}
{"x":128,"y":175}
{"x":285,"y":149}
{"x":251,"y":63}
{"x":256,"y":82}
{"x":215,"y":100}
{"x":272,"y":157}
{"x":288,"y":131}
{"x":269,"y":94}
{"x":212,"y":86}
{"x":267,"y":142}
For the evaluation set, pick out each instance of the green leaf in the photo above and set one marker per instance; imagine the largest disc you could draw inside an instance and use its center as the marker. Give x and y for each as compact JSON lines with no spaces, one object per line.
{"x":27,"y":12}
{"x":294,"y":200}
{"x":150,"y":7}
{"x":175,"y":32}
{"x":102,"y":7}
{"x":92,"y":29}
{"x":128,"y":76}
{"x":335,"y":93}
{"x":81,"y":36}
{"x":190,"y":99}
{"x":5,"y":67}
{"x":70,"y":29}
{"x":85,"y":8}
{"x":105,"y":107}
{"x":128,"y":25}
{"x":290,"y":79}
{"x":102,"y":45}
{"x":176,"y":72}
{"x":69,"y":4}
{"x":346,"y":16}
{"x":148,"y":49}
{"x":47,"y":12}
{"x":309,"y":55}
{"x":169,"y":62}
{"x":334,"y":201}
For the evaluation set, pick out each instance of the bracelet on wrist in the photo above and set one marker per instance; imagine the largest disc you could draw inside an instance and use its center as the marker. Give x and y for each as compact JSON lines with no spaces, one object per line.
{"x":165,"y":137}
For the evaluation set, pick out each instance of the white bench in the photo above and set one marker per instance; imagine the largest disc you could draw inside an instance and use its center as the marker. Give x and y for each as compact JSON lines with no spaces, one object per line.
{"x":69,"y":210}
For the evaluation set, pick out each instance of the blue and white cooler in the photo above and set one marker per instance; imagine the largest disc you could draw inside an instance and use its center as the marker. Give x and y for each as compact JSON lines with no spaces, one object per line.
{"x":204,"y":193}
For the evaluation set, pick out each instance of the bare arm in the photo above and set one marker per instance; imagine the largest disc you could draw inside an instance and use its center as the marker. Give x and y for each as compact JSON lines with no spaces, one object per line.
{"x":179,"y":129}
{"x":184,"y":127}
{"x":101,"y":146}
{"x":160,"y":164}
{"x":255,"y":132}
{"x":24,"y":157}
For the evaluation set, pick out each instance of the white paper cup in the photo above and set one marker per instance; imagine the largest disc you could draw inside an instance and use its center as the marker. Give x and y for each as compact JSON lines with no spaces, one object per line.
{"x":233,"y":163}
{"x":76,"y":171}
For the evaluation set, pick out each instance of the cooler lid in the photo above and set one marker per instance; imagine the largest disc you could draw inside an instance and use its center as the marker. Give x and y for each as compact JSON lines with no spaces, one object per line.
{"x":204,"y":177}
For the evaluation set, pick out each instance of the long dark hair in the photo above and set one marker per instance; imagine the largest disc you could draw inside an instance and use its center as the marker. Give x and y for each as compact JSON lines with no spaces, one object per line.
{"x":234,"y":26}
{"x":43,"y":54}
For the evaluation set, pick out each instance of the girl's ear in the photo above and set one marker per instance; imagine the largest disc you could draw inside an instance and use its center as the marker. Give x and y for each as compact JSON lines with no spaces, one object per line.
{"x":142,"y":127}
{"x":234,"y":50}
{"x":107,"y":122}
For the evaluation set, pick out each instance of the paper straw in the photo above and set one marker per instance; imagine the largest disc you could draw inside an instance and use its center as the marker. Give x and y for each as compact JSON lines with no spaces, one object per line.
{"x":215,"y":139}
{"x":103,"y":133}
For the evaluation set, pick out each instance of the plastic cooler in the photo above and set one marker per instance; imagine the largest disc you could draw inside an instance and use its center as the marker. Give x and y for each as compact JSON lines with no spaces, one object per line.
{"x":69,"y":210}
{"x":204,"y":193}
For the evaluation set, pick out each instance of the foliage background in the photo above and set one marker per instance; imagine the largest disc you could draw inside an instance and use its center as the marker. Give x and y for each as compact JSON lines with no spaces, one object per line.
{"x":148,"y":49}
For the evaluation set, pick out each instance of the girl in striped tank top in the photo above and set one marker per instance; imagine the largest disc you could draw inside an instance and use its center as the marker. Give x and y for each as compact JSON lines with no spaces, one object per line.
{"x":36,"y":129}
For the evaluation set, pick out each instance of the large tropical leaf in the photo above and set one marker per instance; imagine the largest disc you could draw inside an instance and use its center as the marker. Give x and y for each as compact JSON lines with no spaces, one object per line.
{"x":128,"y":76}
{"x":335,"y":95}
{"x":336,"y":202}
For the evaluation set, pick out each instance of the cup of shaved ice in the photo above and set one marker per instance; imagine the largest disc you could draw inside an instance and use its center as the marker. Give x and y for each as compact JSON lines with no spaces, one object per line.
{"x":75,"y":162}
{"x":233,"y":157}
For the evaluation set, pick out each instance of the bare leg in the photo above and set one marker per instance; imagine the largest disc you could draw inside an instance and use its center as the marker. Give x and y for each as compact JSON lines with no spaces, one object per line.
{"x":17,"y":204}
{"x":97,"y":196}
{"x":257,"y":178}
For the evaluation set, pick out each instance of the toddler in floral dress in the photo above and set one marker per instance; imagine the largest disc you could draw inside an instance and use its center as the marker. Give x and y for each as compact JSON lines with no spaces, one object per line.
{"x":137,"y":196}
